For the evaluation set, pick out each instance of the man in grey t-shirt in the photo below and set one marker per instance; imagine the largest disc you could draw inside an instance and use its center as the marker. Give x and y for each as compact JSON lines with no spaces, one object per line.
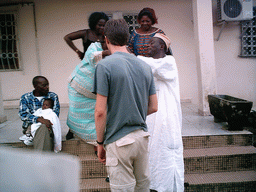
{"x":125,"y":96}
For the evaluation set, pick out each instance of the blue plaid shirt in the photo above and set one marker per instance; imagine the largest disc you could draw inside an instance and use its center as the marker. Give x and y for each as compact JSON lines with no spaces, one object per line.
{"x":29,"y":104}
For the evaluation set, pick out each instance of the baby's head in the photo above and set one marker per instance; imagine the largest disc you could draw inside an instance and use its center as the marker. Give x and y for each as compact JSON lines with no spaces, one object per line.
{"x":48,"y":103}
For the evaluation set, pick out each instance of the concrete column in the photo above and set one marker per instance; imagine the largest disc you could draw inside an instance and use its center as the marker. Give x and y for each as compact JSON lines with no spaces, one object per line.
{"x":3,"y":117}
{"x":205,"y":58}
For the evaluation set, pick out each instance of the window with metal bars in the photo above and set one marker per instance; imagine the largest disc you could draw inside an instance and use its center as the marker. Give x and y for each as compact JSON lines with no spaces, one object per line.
{"x":248,"y":37}
{"x":8,"y":43}
{"x":131,"y":19}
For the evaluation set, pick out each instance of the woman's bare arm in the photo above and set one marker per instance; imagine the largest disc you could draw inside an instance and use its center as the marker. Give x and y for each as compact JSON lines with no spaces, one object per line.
{"x":82,"y":34}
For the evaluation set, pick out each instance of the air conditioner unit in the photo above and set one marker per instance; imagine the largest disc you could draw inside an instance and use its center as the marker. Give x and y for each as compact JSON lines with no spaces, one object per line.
{"x":234,"y":10}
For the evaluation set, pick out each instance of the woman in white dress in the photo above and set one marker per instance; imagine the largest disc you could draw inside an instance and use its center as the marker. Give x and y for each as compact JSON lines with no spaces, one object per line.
{"x":165,"y":145}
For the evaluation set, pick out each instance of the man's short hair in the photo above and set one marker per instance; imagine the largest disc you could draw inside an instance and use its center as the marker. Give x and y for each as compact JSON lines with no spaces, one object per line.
{"x":35,"y":80}
{"x":117,"y":32}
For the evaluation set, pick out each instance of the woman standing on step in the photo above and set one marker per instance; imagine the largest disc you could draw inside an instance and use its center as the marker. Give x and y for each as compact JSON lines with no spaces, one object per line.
{"x":81,"y":100}
{"x":97,"y":21}
{"x":138,"y":43}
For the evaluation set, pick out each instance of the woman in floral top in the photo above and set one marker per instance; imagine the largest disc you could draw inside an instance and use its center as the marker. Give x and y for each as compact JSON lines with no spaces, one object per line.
{"x":138,"y":43}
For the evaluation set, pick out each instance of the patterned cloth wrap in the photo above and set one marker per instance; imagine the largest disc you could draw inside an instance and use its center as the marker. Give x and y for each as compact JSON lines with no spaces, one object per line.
{"x":81,"y":101}
{"x":138,"y":43}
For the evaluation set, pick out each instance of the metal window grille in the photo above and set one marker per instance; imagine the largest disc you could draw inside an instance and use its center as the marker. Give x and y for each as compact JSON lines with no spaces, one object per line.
{"x":248,"y":38}
{"x":131,"y":19}
{"x":8,"y":43}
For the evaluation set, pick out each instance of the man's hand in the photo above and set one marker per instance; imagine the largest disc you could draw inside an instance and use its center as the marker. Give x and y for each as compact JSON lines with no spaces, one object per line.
{"x":101,"y":154}
{"x":45,"y":121}
{"x":105,"y":53}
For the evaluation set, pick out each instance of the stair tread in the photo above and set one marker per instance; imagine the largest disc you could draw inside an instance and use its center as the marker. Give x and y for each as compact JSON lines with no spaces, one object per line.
{"x":97,"y":183}
{"x":84,"y":156}
{"x":219,"y":151}
{"x":210,"y":141}
{"x":221,"y":177}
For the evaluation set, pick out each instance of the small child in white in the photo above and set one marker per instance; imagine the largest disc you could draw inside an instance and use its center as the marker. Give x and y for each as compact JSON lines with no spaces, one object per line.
{"x":47,"y":113}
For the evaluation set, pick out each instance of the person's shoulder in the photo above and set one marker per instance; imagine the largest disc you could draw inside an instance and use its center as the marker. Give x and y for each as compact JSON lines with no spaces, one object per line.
{"x":79,"y":33}
{"x":52,"y":94}
{"x":125,"y":56}
{"x":158,"y":30}
{"x":26,"y":95}
{"x":169,"y":59}
{"x":108,"y":60}
{"x":134,"y":32}
{"x":82,"y":31}
{"x":116,"y":58}
{"x":143,"y":60}
{"x":143,"y":57}
{"x":115,"y":55}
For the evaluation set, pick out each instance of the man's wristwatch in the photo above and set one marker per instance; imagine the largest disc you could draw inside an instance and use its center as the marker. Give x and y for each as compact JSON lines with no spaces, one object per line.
{"x":100,"y":143}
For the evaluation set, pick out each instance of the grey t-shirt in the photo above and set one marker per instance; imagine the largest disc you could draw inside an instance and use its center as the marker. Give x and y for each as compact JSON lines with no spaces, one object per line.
{"x":127,"y":82}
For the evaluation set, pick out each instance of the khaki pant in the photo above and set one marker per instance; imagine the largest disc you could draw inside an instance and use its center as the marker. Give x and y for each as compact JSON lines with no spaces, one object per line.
{"x":42,"y":140}
{"x":127,"y":163}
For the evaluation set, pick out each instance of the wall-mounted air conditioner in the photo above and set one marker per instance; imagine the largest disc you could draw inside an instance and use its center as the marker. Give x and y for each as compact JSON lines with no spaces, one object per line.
{"x":234,"y":10}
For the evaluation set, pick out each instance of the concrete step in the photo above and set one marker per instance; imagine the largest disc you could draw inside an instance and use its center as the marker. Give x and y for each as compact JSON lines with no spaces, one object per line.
{"x":94,"y":185}
{"x":207,"y":160}
{"x":77,"y":147}
{"x":212,"y":141}
{"x":91,"y":167}
{"x":17,"y":145}
{"x":189,"y":142}
{"x":242,"y":181}
{"x":196,"y":161}
{"x":220,"y":159}
{"x":212,"y":163}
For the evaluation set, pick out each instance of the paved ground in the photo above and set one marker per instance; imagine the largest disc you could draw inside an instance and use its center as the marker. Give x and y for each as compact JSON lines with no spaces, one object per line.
{"x":193,"y":124}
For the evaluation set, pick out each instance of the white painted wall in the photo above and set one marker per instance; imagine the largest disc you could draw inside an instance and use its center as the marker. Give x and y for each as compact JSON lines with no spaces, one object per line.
{"x":175,"y":18}
{"x":236,"y":76}
{"x":56,"y":18}
{"x":14,"y":84}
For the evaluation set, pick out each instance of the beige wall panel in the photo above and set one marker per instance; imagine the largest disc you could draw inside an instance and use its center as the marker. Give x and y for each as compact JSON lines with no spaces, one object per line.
{"x":236,"y":76}
{"x":57,"y":18}
{"x":14,"y":84}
